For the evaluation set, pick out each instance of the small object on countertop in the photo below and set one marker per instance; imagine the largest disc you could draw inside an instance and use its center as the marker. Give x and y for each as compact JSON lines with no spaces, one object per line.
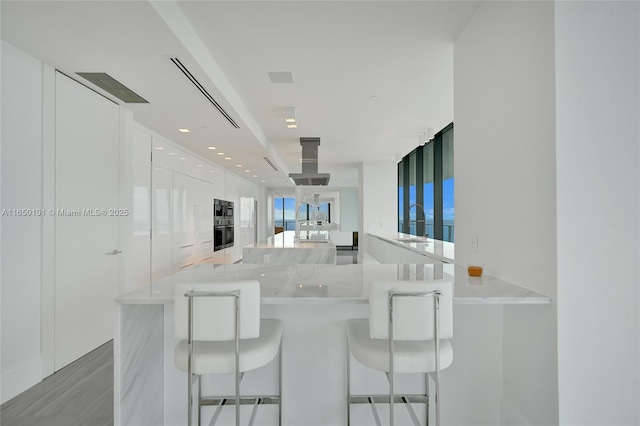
{"x":474,"y":270}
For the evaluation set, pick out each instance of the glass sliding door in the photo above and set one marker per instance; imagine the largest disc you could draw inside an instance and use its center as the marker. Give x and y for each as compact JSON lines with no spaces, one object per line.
{"x":413,"y":208}
{"x":426,"y":189}
{"x":401,"y":196}
{"x":448,"y":185}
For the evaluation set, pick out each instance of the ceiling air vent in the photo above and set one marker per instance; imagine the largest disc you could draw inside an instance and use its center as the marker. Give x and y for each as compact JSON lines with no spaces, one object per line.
{"x":202,"y":90}
{"x":270,"y":163}
{"x":113,"y":87}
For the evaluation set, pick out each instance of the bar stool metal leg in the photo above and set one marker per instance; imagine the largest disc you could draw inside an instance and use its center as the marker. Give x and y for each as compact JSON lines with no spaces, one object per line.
{"x":280,"y":385}
{"x":348,"y":385}
{"x":426,"y":394}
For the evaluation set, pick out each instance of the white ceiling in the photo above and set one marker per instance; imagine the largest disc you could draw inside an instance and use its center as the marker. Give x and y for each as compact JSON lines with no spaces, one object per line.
{"x":369,"y":77}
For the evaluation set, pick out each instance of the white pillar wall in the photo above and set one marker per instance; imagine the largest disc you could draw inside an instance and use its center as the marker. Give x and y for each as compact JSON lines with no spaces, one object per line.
{"x":505,"y":196}
{"x":21,"y":365}
{"x":378,"y":199}
{"x":597,"y":143}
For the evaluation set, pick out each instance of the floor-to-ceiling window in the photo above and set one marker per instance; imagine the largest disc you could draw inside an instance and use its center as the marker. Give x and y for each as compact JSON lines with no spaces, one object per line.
{"x":284,"y":212}
{"x":426,"y":189}
{"x":401,"y":196}
{"x":448,"y":208}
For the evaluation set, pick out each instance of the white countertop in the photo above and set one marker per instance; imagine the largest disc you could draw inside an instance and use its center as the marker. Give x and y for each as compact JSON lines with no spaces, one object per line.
{"x":320,"y":284}
{"x":436,"y":249}
{"x":286,"y":239}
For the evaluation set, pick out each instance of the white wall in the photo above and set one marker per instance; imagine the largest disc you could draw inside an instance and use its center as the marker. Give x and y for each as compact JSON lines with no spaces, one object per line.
{"x":597,"y":72}
{"x":21,"y":236}
{"x":505,"y":184}
{"x":28,"y":144}
{"x":377,"y":199}
{"x":349,"y":210}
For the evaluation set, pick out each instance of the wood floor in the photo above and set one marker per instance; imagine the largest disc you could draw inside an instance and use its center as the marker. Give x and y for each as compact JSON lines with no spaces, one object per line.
{"x":81,"y":394}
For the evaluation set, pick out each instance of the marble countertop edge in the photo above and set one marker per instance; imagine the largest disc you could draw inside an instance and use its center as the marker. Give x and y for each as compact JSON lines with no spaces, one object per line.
{"x":424,"y":248}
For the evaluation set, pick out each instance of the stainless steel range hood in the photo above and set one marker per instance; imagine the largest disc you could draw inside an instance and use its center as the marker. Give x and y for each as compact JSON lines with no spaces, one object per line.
{"x":310,"y":175}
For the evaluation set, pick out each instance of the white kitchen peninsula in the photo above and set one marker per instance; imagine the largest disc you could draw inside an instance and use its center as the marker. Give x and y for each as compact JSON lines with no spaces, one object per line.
{"x":283,"y":248}
{"x":406,"y":248}
{"x":314,"y":302}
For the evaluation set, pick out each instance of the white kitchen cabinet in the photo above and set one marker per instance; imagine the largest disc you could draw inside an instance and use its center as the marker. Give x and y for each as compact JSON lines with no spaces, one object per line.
{"x":163,"y":153}
{"x":140,"y":210}
{"x":162,"y":223}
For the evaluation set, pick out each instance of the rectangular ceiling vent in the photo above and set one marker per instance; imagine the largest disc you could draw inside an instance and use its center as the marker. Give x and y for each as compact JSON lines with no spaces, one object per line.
{"x":202,"y":90}
{"x":281,"y":77}
{"x":270,"y":163}
{"x":113,"y":87}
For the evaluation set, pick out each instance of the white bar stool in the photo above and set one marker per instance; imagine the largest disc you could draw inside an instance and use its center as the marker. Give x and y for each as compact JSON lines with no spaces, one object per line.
{"x":407,"y":331}
{"x":222,"y":333}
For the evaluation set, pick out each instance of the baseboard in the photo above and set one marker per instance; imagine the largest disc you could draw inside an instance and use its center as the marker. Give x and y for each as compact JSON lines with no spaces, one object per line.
{"x":510,"y":415}
{"x":18,"y":380}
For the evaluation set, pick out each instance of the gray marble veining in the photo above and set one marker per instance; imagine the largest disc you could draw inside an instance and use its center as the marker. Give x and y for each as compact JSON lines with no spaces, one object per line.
{"x":141,"y":366}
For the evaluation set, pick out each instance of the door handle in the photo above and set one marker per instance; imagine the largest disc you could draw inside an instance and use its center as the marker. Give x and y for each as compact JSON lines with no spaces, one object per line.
{"x":115,"y":252}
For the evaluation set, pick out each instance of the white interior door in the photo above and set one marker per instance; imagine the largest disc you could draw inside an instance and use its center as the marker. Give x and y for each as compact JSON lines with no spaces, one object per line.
{"x":86,"y":235}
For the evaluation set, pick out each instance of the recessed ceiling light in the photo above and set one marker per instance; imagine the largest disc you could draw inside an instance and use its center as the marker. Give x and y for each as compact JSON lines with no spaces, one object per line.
{"x":238,"y":165}
{"x":200,"y":165}
{"x":255,"y":175}
{"x":172,"y":153}
{"x":292,"y":126}
{"x":211,"y":147}
{"x":159,"y":147}
{"x":247,"y":171}
{"x":227,"y":158}
{"x":184,"y":130}
{"x":221,"y":153}
{"x":290,"y":114}
{"x":213,"y":171}
{"x":263,"y":181}
{"x":183,"y":158}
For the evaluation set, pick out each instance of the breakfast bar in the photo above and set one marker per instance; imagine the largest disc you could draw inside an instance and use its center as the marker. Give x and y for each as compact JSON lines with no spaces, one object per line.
{"x":313,"y":302}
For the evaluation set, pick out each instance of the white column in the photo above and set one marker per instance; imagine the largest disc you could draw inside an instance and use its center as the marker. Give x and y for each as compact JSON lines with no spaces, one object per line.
{"x":378,"y":199}
{"x":598,"y":109}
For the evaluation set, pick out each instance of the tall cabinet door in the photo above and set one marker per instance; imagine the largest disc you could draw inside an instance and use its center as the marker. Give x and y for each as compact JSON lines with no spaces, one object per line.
{"x":86,"y":241}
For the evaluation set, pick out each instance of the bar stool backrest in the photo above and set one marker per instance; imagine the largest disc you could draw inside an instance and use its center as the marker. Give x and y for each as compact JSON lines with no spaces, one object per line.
{"x":214,"y":317}
{"x":413,"y":317}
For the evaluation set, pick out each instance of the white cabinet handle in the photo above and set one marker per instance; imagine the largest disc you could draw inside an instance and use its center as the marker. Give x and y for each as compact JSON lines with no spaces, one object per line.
{"x":115,"y":252}
{"x":187,"y":246}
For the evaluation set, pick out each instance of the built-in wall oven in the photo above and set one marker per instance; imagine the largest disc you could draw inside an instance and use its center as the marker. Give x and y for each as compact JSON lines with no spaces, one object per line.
{"x":223,"y":234}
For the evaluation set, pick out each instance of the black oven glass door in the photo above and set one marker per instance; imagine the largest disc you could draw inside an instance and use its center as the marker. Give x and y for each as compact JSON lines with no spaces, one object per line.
{"x":218,"y":238}
{"x":218,"y":210}
{"x":228,"y":235}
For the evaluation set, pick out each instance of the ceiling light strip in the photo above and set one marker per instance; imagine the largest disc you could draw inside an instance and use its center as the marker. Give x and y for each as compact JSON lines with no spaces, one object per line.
{"x":206,"y":94}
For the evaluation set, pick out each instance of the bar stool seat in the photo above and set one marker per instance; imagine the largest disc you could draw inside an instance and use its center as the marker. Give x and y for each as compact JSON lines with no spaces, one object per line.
{"x":409,"y":357}
{"x":219,"y":357}
{"x":220,"y":332}
{"x":408,"y":331}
